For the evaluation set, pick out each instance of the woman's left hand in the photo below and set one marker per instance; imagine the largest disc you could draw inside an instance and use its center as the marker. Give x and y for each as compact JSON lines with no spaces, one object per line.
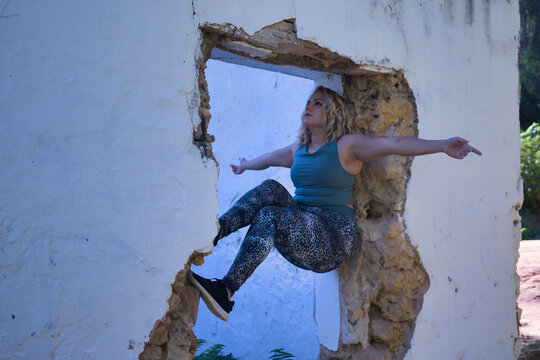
{"x":458,"y":148}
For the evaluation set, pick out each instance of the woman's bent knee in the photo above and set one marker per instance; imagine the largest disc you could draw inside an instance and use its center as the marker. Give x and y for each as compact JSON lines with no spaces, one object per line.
{"x":271,"y":183}
{"x":275,"y":193}
{"x":267,"y":215}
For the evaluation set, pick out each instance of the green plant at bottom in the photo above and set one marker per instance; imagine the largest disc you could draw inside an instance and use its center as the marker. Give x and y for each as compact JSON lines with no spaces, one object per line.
{"x":280,"y":354}
{"x":212,"y":353}
{"x":215,"y":353}
{"x":530,"y":166}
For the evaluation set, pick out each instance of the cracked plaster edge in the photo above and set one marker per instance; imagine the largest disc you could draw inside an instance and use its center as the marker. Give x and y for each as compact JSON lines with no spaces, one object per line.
{"x":518,"y":344}
{"x":401,"y":215}
{"x":365,"y":64}
{"x":194,"y":106}
{"x":402,"y":204}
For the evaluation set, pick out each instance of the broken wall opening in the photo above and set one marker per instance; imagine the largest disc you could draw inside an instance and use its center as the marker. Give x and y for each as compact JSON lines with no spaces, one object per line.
{"x":255,"y":111}
{"x":381,"y":288}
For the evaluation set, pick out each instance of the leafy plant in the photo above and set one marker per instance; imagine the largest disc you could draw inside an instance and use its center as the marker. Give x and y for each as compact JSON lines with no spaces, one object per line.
{"x":212,"y":353}
{"x":530,"y":222}
{"x":215,"y":353}
{"x":530,"y":166}
{"x":529,"y":62}
{"x":200,"y":342}
{"x":280,"y":354}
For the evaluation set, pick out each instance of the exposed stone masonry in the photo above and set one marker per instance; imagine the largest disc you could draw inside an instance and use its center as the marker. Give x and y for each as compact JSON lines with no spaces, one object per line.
{"x":382,"y":288}
{"x":201,"y":138}
{"x":172,"y":337}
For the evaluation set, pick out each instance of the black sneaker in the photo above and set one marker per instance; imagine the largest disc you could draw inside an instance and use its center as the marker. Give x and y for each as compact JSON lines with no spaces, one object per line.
{"x":214,"y":294}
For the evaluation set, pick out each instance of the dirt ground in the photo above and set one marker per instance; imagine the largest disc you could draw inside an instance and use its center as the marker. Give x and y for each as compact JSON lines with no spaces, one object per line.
{"x":528,"y":269}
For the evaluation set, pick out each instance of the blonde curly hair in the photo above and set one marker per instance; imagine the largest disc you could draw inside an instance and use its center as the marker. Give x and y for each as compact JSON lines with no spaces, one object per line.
{"x":339,"y":117}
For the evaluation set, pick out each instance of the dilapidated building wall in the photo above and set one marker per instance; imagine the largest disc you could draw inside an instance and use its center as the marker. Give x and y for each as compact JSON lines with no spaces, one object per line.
{"x":109,"y":177}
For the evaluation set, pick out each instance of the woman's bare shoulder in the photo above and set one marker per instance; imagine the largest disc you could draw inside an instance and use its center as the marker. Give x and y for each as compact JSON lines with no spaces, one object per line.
{"x":294,"y":146}
{"x":350,"y":139}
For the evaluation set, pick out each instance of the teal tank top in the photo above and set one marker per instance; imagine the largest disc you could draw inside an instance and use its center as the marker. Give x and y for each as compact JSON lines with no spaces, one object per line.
{"x":321,"y":180}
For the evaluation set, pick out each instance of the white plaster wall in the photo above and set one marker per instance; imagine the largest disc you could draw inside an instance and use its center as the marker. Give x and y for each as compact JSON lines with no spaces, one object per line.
{"x":96,"y":106}
{"x":103,"y":194}
{"x":460,"y":62}
{"x":253,"y":112}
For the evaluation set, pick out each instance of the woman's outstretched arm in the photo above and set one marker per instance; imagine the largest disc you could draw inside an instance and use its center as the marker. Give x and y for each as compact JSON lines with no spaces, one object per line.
{"x":368,"y":148}
{"x":281,"y":157}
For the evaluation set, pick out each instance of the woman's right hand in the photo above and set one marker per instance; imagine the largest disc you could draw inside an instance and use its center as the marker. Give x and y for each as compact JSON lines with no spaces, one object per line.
{"x":238,"y":169}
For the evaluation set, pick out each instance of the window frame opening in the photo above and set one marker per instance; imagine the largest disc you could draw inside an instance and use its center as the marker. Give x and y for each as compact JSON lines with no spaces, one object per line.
{"x":381,"y":289}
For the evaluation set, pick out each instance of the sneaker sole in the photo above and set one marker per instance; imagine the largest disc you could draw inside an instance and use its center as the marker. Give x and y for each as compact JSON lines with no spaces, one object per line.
{"x":212,"y":304}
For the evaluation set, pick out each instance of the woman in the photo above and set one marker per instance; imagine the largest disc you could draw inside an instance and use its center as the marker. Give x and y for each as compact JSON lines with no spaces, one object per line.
{"x":316,"y":229}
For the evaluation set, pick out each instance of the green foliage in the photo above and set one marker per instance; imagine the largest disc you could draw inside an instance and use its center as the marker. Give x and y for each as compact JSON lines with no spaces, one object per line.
{"x":280,"y":354}
{"x":530,"y":89}
{"x":530,"y":171}
{"x":525,"y":234}
{"x":530,"y":166}
{"x":215,"y":353}
{"x":530,"y":222}
{"x":529,"y":62}
{"x":200,"y":342}
{"x":212,"y":353}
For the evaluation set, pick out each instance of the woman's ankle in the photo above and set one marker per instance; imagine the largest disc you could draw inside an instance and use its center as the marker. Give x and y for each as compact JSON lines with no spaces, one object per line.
{"x":217,"y":238}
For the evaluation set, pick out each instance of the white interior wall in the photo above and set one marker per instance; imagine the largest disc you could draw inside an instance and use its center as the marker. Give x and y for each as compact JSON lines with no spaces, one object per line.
{"x":253,"y":112}
{"x":326,"y":286}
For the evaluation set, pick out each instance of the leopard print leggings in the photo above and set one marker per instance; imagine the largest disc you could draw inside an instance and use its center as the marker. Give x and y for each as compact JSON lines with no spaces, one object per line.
{"x":310,"y":237}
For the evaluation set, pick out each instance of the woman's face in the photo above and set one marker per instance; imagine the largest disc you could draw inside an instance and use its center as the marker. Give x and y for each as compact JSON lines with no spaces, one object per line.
{"x":314,"y":111}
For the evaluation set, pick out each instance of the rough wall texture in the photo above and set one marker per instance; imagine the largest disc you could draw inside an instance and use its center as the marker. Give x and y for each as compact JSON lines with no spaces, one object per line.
{"x":172,"y":336}
{"x":100,"y":180}
{"x":201,"y":138}
{"x":382,"y":288}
